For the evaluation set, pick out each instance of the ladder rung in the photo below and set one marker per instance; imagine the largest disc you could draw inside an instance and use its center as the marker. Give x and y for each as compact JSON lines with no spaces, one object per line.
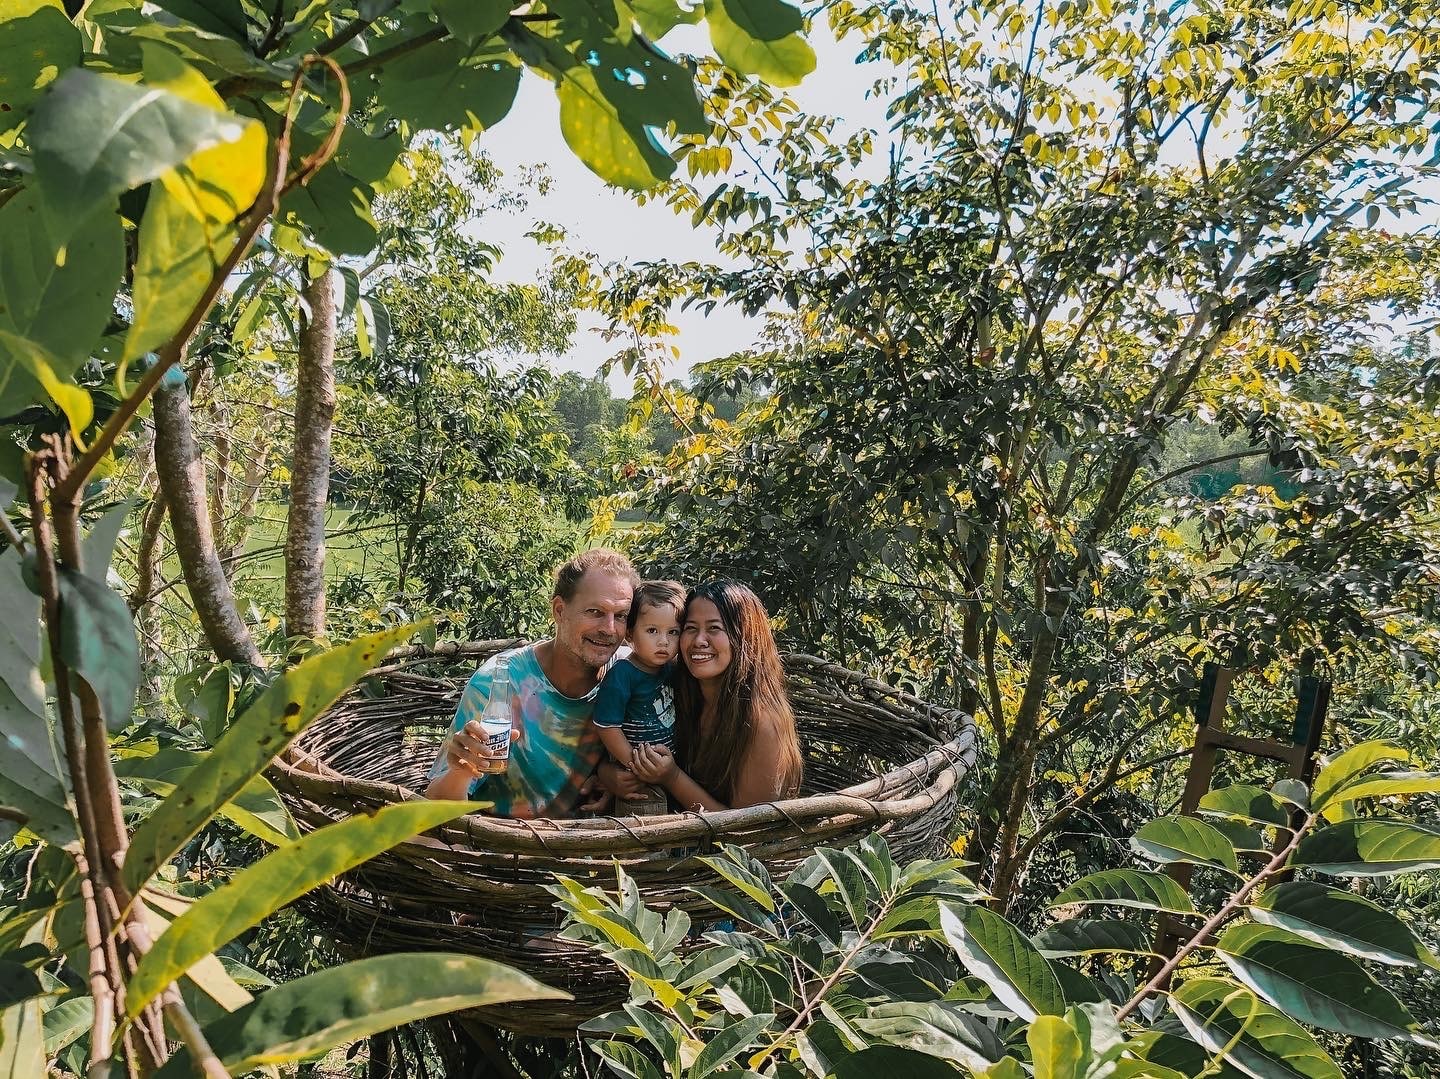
{"x":1256,"y":747}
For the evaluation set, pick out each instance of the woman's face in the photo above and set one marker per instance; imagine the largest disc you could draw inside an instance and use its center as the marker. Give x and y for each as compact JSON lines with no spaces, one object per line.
{"x":704,"y":644}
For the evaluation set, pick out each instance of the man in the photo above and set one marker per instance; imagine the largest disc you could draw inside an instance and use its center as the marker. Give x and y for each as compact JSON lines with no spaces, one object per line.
{"x":553,"y":684}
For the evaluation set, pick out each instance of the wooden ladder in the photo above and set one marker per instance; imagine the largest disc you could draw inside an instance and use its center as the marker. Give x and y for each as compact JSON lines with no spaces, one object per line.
{"x":1298,"y":755}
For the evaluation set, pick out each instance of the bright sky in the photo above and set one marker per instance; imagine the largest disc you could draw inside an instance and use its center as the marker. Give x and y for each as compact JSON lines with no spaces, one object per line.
{"x":609,"y":223}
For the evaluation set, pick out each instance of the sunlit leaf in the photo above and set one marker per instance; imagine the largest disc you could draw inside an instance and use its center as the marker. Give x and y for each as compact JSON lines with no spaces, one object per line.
{"x":1272,"y":1046}
{"x":1127,"y":888}
{"x":279,"y":878}
{"x":317,"y":1012}
{"x":1185,"y":839}
{"x":998,"y":954}
{"x":1373,"y":847}
{"x":1333,"y":918}
{"x":1318,"y":986}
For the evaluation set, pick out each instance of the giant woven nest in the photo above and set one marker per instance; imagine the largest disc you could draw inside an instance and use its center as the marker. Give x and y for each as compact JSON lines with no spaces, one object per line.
{"x":876,"y":759}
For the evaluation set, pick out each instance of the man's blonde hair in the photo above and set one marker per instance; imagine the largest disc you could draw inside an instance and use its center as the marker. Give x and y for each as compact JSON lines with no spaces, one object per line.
{"x":601,"y":559}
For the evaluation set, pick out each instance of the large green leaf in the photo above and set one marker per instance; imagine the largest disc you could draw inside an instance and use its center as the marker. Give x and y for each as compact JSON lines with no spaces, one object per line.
{"x":178,"y":257}
{"x":449,"y":87}
{"x":1245,"y":802}
{"x":66,"y":1022}
{"x":729,"y":1043}
{"x":315,"y":1013}
{"x":217,"y":16}
{"x":1091,"y":936}
{"x":615,"y":90}
{"x":22,"y":1031}
{"x":935,"y":1028}
{"x":1127,"y":888}
{"x":998,"y":954}
{"x":97,"y":640}
{"x":1272,"y":1045}
{"x":1185,"y":839}
{"x":472,"y":21}
{"x":32,"y":779}
{"x":1055,"y":1049}
{"x":279,"y":878}
{"x":1318,"y":986}
{"x":656,"y":18}
{"x":1333,"y":918}
{"x":40,"y":42}
{"x":95,"y":136}
{"x":1373,"y":847}
{"x":761,"y":37}
{"x":29,"y":373}
{"x":58,"y":277}
{"x":1382,"y":785}
{"x":285,"y":709}
{"x":257,"y":807}
{"x":892,"y":1060}
{"x":1176,"y":1055}
{"x":1349,"y":767}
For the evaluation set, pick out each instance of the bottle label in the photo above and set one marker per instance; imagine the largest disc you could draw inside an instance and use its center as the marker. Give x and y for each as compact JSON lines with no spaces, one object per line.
{"x":497,"y":738}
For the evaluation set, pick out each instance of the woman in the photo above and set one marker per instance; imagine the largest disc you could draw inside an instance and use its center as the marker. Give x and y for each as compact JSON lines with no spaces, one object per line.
{"x":734,"y":728}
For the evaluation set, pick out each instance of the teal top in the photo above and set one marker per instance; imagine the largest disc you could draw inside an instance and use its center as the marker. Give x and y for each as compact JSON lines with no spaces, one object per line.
{"x":555,"y":749}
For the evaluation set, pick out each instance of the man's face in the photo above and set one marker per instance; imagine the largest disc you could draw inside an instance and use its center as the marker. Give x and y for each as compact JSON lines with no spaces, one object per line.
{"x":591,"y":624}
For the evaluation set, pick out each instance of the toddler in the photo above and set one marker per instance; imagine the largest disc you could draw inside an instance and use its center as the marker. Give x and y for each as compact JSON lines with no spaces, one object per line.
{"x":635,"y":705}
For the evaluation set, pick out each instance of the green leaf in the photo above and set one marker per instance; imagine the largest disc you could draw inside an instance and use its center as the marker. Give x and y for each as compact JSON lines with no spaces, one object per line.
{"x":1349,"y":767}
{"x":277,"y":717}
{"x":1092,"y":936}
{"x":22,"y":1032}
{"x":449,"y":87}
{"x":849,"y":882}
{"x":1333,"y":918}
{"x":1384,"y":785}
{"x":257,"y":807}
{"x":761,"y":37}
{"x":1292,"y":791}
{"x":729,"y":1043}
{"x":98,"y":642}
{"x":97,"y":548}
{"x":1246,"y":802}
{"x":177,"y":259}
{"x":1056,"y":1049}
{"x":33,"y":779}
{"x":892,"y":1060}
{"x":1185,"y":839}
{"x":472,"y":21}
{"x":1317,"y":986}
{"x":58,"y":277}
{"x":656,"y":18}
{"x":217,"y":16}
{"x":95,"y":136}
{"x":313,"y":1014}
{"x":1178,"y":1057}
{"x":279,"y":878}
{"x":997,"y":953}
{"x":66,"y":1022}
{"x":814,"y":910}
{"x":744,"y":879}
{"x":1127,"y":888}
{"x":17,"y":982}
{"x":1272,"y":1045}
{"x":1374,"y":847}
{"x":28,"y":373}
{"x":626,"y":1060}
{"x":934,"y":1028}
{"x":40,"y":43}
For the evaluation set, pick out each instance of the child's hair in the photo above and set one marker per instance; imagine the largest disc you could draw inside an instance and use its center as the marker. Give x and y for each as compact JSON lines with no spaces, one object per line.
{"x":654,"y":594}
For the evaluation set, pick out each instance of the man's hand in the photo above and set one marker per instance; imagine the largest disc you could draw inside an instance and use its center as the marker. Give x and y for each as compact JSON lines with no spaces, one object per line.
{"x":594,"y":797}
{"x":620,"y":783}
{"x":467,"y":749}
{"x":654,"y":764}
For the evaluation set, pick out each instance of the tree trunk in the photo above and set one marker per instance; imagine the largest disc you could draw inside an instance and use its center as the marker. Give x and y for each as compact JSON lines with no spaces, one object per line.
{"x":181,"y":468}
{"x":252,"y":481}
{"x":310,"y":464}
{"x":220,"y":491}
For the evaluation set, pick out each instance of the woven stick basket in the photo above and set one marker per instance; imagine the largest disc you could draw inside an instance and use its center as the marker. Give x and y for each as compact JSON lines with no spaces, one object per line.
{"x":876,"y":759}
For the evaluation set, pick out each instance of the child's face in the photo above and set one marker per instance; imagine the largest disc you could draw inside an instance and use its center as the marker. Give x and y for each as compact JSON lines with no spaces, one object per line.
{"x":656,"y":635}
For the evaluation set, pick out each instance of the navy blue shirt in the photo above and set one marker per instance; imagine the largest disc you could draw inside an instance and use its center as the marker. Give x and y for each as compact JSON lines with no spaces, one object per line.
{"x":639,"y":703}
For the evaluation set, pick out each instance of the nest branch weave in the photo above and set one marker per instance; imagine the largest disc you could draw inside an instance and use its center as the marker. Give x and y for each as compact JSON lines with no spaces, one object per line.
{"x":876,"y":759}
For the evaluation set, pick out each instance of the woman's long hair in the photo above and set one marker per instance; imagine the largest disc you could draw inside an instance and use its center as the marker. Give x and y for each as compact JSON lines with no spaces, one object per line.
{"x":753,"y":684}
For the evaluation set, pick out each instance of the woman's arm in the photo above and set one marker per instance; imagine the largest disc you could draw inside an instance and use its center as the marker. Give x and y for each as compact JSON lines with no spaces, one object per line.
{"x":762,"y":777}
{"x":656,"y":764}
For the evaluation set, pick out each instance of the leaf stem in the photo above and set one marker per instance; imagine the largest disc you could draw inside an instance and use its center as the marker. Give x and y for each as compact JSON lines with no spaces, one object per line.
{"x":1231,"y":907}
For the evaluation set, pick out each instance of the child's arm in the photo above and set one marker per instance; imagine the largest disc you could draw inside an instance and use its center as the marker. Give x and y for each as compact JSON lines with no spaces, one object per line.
{"x":656,"y":764}
{"x":616,"y":743}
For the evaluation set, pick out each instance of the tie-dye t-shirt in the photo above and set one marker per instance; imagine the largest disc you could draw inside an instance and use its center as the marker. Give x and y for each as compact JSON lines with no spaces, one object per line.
{"x":556,"y":747}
